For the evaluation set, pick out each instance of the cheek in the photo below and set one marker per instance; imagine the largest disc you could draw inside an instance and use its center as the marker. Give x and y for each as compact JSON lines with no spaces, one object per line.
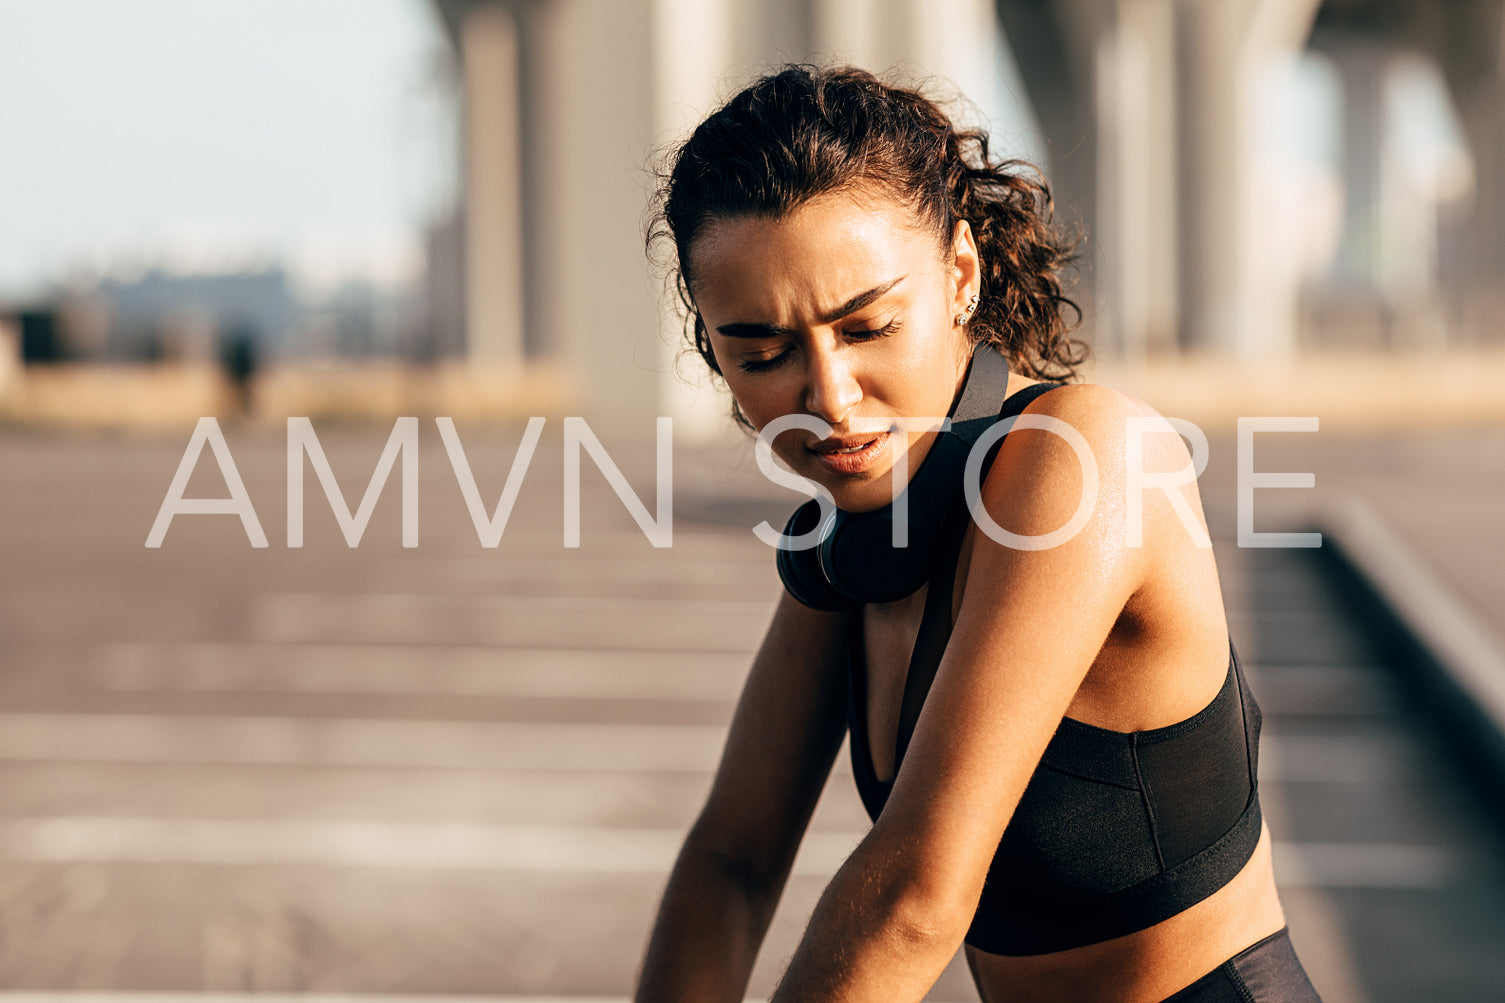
{"x":926,"y":371}
{"x":762,"y":397}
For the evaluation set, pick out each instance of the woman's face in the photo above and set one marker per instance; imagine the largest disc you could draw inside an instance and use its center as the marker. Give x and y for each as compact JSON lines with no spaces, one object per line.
{"x":843,"y":311}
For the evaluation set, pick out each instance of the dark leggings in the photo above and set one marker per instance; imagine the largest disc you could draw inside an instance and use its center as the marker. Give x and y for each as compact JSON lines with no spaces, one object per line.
{"x":1267,"y":972}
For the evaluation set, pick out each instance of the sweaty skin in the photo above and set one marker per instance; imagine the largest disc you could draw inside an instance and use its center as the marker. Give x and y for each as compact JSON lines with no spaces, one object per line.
{"x":845,"y":310}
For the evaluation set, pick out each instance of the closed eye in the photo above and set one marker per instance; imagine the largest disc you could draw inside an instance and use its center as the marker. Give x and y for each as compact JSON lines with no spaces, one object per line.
{"x":877,"y":332}
{"x":764,"y":365}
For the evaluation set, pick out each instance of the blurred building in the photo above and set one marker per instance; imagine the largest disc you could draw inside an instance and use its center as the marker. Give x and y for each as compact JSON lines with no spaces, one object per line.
{"x":165,"y":316}
{"x":162,"y":316}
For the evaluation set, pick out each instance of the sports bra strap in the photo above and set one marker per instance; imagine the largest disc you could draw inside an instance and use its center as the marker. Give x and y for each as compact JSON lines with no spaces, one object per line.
{"x":1018,"y":401}
{"x":935,"y":622}
{"x":1012,"y":408}
{"x":935,"y":632}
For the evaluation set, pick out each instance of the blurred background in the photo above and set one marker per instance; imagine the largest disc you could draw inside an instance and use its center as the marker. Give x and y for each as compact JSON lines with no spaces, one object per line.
{"x":464,"y":767}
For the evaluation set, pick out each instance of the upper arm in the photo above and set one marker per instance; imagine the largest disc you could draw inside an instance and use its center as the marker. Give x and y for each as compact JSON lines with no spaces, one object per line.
{"x":788,"y":726}
{"x":1029,"y":627}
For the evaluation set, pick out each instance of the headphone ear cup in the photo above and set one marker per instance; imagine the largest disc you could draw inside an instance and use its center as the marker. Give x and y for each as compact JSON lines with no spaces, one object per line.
{"x":800,"y":570}
{"x":860,"y":558}
{"x":861,"y":561}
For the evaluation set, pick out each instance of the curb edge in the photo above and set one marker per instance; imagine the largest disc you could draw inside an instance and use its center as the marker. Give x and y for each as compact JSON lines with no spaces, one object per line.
{"x":1457,"y":660}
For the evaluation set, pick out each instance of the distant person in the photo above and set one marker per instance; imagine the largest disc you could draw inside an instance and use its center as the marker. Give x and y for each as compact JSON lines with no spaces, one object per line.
{"x":1050,"y":729}
{"x":240,"y":359}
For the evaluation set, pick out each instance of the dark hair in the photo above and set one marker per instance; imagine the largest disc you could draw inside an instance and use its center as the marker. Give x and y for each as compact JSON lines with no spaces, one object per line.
{"x":807,"y":131}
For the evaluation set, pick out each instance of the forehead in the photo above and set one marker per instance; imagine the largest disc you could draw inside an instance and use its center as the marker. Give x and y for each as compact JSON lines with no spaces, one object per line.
{"x":817,"y":256}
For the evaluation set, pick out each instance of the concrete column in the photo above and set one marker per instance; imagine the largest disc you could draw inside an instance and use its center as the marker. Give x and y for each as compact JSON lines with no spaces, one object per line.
{"x":849,"y":31}
{"x":1269,"y":276}
{"x":1136,"y":210}
{"x":548,"y":282}
{"x":1424,"y":276}
{"x":1210,"y":147}
{"x":954,"y":40}
{"x":877,"y":35}
{"x":770,"y":32}
{"x":592,"y":109}
{"x":1361,"y":69}
{"x":1160,"y":320}
{"x":1471,"y":55}
{"x":1236,"y":300}
{"x":493,"y":186}
{"x":1055,"y":48}
{"x":1485,"y":244}
{"x":688,"y":85}
{"x":951,"y":41}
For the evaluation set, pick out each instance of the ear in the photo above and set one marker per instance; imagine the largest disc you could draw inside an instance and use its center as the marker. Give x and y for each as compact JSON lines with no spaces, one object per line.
{"x":966,"y":267}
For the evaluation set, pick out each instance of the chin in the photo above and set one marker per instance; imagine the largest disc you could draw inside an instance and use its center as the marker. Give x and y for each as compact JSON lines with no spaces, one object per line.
{"x":867,"y":496}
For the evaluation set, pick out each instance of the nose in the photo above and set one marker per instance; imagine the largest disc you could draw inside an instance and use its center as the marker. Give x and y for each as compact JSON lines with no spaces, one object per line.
{"x":832,"y":389}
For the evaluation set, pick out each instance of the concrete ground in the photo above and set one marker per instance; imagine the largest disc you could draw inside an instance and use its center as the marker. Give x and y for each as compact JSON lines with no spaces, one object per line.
{"x":450,"y":769}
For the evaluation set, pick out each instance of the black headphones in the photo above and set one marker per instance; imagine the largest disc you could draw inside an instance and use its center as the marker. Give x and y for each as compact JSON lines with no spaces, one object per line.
{"x":855,"y":560}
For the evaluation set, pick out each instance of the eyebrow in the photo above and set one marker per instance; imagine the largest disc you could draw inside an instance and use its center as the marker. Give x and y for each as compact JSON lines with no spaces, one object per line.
{"x":829,"y":317}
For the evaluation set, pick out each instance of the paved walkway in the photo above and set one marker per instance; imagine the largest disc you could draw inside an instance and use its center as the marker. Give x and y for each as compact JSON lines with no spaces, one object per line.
{"x":454,"y":770}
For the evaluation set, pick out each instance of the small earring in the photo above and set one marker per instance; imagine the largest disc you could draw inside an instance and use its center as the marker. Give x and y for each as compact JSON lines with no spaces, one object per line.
{"x":966,"y":315}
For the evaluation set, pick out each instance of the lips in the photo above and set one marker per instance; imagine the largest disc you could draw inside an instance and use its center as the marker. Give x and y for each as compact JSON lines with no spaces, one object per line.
{"x":850,"y":454}
{"x":846,"y":444}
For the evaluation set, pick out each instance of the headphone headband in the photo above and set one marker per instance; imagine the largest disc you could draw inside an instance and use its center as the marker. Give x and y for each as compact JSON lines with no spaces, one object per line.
{"x":986,"y":384}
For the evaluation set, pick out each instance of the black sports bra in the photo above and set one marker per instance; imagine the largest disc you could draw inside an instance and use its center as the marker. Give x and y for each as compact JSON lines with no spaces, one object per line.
{"x":1115,"y":831}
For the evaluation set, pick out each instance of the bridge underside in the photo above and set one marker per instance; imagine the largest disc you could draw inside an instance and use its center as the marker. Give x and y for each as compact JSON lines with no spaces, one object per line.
{"x":1150,"y":110}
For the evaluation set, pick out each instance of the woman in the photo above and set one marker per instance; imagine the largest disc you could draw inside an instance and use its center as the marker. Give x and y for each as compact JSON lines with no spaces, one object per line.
{"x":1047,"y":724}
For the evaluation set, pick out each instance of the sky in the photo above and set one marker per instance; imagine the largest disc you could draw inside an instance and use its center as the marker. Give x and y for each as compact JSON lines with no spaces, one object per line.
{"x":219,"y":134}
{"x":214,"y":133}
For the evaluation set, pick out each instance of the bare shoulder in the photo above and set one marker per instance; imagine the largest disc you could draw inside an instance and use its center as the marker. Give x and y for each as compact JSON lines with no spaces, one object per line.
{"x":1118,"y":428}
{"x":1091,"y":407}
{"x":1067,"y":489}
{"x":1116,"y":483}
